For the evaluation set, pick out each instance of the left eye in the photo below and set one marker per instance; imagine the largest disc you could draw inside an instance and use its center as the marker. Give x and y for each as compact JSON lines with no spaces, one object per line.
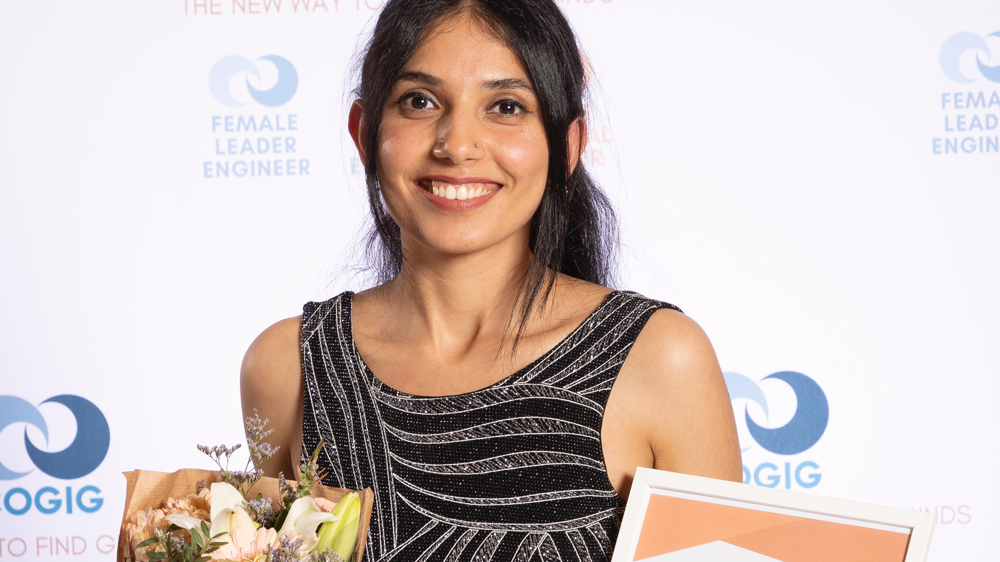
{"x":418,"y":102}
{"x":508,"y":107}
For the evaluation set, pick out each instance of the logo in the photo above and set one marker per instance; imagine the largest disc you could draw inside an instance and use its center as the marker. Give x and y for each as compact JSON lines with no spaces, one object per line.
{"x":812,"y":412}
{"x":956,"y":46}
{"x":221,"y":77}
{"x":80,"y":458}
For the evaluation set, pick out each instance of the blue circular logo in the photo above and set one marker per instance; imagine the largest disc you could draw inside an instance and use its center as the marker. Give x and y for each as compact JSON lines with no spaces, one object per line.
{"x":84,"y":454}
{"x":812,"y":412}
{"x":228,"y":67}
{"x":956,"y":46}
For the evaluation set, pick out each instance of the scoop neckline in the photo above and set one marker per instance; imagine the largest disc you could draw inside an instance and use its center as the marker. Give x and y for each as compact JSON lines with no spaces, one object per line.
{"x":373,"y":377}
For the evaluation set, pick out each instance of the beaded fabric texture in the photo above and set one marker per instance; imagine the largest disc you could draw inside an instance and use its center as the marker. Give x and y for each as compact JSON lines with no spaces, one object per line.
{"x":514,"y":471}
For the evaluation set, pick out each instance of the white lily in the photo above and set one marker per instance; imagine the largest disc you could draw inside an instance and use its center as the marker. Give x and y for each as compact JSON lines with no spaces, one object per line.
{"x":227,"y":509}
{"x":184,"y":521}
{"x":303,"y":518}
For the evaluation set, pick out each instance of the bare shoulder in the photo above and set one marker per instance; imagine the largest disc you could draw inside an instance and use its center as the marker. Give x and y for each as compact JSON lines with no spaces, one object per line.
{"x":271,"y":384}
{"x":672,"y":365}
{"x":275,"y":354}
{"x":674,"y":387}
{"x":672,"y":346}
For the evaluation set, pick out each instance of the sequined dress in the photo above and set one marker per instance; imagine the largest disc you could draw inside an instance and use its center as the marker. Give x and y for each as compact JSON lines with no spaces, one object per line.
{"x":514,"y":471}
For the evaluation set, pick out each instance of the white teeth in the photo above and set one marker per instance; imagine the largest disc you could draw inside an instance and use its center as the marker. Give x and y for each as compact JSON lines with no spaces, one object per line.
{"x":462,"y":192}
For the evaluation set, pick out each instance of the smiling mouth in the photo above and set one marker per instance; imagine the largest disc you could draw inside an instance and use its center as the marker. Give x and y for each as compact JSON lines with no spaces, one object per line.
{"x":460,"y":191}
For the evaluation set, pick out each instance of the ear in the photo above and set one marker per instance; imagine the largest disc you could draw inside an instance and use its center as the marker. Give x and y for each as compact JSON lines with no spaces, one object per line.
{"x":576,"y":143}
{"x":356,"y":126}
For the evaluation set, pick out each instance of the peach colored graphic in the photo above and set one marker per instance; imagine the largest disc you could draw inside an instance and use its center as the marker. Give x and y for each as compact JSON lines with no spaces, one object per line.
{"x":673,"y":524}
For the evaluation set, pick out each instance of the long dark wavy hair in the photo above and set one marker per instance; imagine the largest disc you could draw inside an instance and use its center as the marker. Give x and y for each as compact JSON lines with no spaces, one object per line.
{"x":574,"y":231}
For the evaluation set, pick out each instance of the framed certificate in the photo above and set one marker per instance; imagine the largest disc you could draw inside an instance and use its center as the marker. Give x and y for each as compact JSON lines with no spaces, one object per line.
{"x":680,"y":518}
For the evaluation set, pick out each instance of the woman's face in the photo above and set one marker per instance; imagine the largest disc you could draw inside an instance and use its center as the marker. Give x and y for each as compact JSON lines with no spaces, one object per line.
{"x":463,"y":156}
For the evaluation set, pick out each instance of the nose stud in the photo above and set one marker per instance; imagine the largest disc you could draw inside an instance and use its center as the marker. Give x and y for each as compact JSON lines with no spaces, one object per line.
{"x":442,"y":149}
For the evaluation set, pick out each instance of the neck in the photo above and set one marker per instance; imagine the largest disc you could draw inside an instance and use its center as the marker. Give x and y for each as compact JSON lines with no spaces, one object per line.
{"x":450,"y":300}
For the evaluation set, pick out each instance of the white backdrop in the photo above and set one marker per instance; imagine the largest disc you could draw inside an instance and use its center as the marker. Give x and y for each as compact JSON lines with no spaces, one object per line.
{"x":775,"y":165}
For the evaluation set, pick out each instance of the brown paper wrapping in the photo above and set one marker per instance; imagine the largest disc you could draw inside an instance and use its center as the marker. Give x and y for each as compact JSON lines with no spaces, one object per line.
{"x":147,"y":489}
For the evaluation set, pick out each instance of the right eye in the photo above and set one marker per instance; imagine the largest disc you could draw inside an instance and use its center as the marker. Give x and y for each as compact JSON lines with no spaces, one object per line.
{"x":417,"y":102}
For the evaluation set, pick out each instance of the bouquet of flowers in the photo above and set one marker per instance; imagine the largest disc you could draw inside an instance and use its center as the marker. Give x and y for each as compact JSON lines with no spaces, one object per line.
{"x":240,"y":515}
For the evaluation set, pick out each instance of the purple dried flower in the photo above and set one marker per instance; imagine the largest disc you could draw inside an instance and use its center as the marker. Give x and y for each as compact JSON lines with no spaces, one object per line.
{"x":259,"y":450}
{"x":327,"y":555}
{"x":287,"y":491}
{"x":287,"y":550}
{"x":262,"y":512}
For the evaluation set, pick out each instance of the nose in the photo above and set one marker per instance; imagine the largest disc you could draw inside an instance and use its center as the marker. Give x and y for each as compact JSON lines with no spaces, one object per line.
{"x":458,"y":137}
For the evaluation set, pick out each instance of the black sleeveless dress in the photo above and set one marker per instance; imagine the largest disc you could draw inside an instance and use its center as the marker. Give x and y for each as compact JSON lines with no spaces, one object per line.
{"x":514,"y":471}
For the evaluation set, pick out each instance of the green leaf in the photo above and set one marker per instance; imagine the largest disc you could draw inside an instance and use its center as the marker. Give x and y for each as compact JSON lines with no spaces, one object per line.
{"x":173,"y":528}
{"x":315,"y":455}
{"x":196,"y":539}
{"x":204,"y":529}
{"x":157,"y":556}
{"x":202,"y":559}
{"x":147,"y":542}
{"x":281,"y":518}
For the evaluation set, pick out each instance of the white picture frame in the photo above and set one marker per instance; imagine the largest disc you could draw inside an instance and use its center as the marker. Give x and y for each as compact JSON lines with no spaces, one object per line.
{"x":815,"y":512}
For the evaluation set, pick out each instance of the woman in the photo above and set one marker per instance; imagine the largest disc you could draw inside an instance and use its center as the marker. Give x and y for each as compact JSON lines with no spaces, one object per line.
{"x":493,"y":243}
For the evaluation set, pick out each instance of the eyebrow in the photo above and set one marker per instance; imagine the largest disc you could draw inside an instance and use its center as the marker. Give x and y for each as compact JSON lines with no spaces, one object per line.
{"x":500,"y":84}
{"x":508,"y":84}
{"x":419,"y":78}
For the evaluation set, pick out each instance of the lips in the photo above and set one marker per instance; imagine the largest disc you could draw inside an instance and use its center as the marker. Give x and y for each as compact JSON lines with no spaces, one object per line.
{"x":458,"y":194}
{"x":460,"y":189}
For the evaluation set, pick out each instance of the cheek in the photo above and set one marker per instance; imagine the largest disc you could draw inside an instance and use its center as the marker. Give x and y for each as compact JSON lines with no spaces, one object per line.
{"x":400,"y":145}
{"x":393,"y":151}
{"x":526,"y":157}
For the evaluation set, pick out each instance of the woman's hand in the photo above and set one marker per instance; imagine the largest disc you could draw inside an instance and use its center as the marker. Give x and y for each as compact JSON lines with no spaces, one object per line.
{"x":669,"y":408}
{"x":271,"y":383}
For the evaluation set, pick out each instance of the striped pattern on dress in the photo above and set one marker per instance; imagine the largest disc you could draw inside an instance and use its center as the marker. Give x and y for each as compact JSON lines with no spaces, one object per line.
{"x":511,"y":472}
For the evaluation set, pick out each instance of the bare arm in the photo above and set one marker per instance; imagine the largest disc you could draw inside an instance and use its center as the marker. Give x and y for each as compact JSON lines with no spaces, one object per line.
{"x":670,"y":406}
{"x":271,"y":383}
